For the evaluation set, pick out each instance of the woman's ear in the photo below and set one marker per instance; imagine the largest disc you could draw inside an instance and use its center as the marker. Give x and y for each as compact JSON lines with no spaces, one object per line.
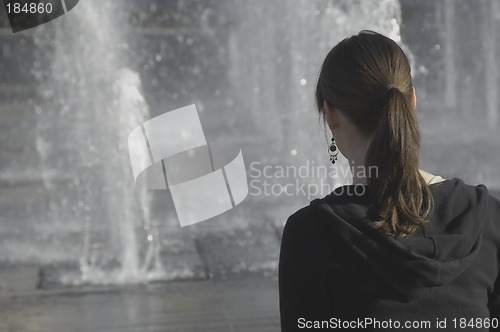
{"x":331,"y":116}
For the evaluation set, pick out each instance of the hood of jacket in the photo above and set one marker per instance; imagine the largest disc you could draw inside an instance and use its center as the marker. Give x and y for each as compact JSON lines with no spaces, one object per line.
{"x":437,"y":254}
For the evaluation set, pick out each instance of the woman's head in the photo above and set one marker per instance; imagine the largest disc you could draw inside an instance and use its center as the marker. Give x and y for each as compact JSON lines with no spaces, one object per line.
{"x":366,"y":94}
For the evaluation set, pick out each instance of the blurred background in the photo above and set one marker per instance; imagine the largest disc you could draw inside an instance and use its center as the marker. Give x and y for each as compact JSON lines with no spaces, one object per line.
{"x":72,"y":220}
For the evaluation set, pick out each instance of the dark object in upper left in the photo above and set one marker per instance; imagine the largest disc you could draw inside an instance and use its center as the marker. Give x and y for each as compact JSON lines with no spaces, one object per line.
{"x":27,"y":14}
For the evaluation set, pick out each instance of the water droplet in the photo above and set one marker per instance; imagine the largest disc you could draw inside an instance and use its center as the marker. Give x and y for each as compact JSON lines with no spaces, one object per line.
{"x":293,"y":152}
{"x":150,"y":237}
{"x":158,"y":58}
{"x":437,"y":47}
{"x":303,"y":81}
{"x":422,"y":69}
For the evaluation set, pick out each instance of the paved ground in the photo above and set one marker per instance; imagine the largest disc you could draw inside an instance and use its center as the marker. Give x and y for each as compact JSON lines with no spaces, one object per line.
{"x":243,"y":303}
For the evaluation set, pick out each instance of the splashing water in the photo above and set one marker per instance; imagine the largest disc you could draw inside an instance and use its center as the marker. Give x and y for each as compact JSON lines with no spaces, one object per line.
{"x":91,"y":103}
{"x":92,"y":100}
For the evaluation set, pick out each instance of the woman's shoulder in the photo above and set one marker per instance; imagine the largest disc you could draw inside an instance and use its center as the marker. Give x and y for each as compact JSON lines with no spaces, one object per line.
{"x":493,"y":212}
{"x":456,"y":189}
{"x":301,"y":217}
{"x":302,"y":221}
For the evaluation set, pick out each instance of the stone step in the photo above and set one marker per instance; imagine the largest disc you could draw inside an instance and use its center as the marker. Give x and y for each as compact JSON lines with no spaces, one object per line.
{"x":244,"y":251}
{"x":18,"y":278}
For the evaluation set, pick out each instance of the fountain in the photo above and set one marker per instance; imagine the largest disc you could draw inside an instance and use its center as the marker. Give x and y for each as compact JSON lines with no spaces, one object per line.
{"x":91,"y":101}
{"x":251,"y":68}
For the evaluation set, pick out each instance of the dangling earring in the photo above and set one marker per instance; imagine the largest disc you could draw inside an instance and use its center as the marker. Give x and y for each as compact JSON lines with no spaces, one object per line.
{"x":333,"y":151}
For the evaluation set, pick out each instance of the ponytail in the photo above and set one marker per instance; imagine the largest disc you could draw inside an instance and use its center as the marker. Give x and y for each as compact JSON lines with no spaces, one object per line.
{"x":402,"y":195}
{"x":353,"y":79}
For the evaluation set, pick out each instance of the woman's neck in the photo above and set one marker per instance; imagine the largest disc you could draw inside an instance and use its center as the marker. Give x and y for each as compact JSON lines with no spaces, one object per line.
{"x":359,"y":172}
{"x":357,"y":152}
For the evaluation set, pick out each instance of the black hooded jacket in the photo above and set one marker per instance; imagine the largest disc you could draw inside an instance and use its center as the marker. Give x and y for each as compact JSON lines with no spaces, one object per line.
{"x":337,"y":270}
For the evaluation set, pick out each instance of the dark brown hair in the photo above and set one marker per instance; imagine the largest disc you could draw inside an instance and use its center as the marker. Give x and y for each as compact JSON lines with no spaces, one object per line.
{"x":367,"y":77}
